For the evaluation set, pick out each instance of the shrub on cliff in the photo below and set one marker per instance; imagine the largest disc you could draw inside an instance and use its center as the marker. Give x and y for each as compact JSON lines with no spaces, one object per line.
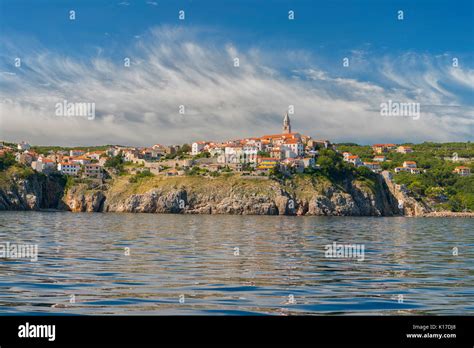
{"x":141,"y":175}
{"x":7,"y":160}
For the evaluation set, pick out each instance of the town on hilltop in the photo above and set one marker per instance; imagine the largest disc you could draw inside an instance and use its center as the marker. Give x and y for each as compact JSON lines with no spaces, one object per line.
{"x":286,"y":153}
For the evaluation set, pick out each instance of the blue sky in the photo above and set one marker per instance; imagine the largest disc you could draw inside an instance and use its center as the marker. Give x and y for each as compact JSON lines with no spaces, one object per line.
{"x":189,"y":63}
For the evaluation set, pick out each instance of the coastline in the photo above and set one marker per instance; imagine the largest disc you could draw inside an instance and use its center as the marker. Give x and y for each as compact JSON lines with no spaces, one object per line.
{"x":302,"y":196}
{"x":438,"y":214}
{"x":449,"y":214}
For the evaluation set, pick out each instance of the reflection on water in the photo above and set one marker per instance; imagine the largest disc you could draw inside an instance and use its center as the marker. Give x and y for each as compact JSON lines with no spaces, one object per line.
{"x":194,"y":258}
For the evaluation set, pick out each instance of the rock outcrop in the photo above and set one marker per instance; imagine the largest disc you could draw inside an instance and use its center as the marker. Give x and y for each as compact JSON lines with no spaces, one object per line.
{"x":32,"y":193}
{"x":206,"y":196}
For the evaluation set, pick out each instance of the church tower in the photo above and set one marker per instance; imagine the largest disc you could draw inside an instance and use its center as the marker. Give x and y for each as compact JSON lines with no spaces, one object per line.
{"x":286,"y":124}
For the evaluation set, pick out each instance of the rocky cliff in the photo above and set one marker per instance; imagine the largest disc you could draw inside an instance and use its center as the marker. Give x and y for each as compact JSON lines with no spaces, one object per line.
{"x":32,"y":193}
{"x":199,"y":195}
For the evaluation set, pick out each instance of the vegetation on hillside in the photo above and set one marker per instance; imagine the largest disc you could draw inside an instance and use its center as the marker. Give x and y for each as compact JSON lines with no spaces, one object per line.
{"x":438,"y":185}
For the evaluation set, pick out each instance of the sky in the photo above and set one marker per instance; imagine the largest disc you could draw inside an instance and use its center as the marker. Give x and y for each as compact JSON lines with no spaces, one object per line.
{"x":335,"y":64}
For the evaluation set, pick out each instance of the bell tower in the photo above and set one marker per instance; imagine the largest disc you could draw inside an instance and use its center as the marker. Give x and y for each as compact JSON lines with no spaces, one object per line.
{"x":286,"y":124}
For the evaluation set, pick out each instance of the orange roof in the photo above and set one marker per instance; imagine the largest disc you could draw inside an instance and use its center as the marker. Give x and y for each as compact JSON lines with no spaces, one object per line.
{"x":353,"y":157}
{"x":292,"y":141}
{"x":410,"y":162}
{"x":69,"y":164}
{"x":289,"y":135}
{"x":462,"y":167}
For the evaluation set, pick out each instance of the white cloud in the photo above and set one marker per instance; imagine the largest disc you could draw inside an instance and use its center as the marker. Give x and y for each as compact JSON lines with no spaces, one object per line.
{"x":139,"y":105}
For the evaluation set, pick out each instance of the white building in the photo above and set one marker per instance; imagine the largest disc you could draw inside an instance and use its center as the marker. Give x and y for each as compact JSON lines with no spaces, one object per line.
{"x":401,"y":169}
{"x":197,"y":147}
{"x":216,"y":151}
{"x":255,"y":142}
{"x":404,"y":149}
{"x":409,"y":164}
{"x":292,"y":148}
{"x":355,"y":160}
{"x":43,"y":165}
{"x":69,"y":168}
{"x":74,"y":153}
{"x":233,"y":154}
{"x":250,"y":154}
{"x":23,"y":146}
{"x":373,"y":166}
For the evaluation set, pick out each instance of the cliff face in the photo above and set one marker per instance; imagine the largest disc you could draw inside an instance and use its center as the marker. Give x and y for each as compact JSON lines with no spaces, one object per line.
{"x":408,"y":205}
{"x":199,"y":195}
{"x":35,"y":192}
{"x":243,"y":197}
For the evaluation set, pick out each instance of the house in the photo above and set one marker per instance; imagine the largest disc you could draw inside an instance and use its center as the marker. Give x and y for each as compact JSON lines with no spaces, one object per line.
{"x":416,"y":170}
{"x":276,"y":152}
{"x":409,"y":164}
{"x":150,"y":154}
{"x":256,"y":142}
{"x":404,"y":149}
{"x":401,"y":169}
{"x":69,"y":168}
{"x":380,"y":159}
{"x":321,"y":144}
{"x":292,"y":148}
{"x":309,"y":162}
{"x":233,"y":154}
{"x":373,"y":166}
{"x":44,"y":165}
{"x":25,"y":157}
{"x":382,"y":148}
{"x":93,"y":170}
{"x":23,"y":146}
{"x":216,"y":150}
{"x":346,"y":155}
{"x":462,"y":171}
{"x":379,"y":148}
{"x":95,"y":155}
{"x":80,"y":160}
{"x":160,"y":149}
{"x":113,"y":151}
{"x":197,"y":147}
{"x":293,"y":163}
{"x":355,"y":160}
{"x":250,"y":153}
{"x":75,"y":153}
{"x":171,"y":150}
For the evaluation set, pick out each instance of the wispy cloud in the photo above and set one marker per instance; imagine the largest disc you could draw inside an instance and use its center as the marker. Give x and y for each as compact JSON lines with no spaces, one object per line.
{"x":171,"y":67}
